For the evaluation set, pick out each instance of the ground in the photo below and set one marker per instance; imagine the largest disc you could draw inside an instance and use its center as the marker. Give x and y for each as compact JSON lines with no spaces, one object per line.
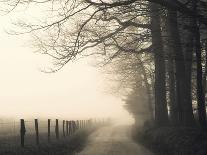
{"x":64,"y":146}
{"x":113,"y":140}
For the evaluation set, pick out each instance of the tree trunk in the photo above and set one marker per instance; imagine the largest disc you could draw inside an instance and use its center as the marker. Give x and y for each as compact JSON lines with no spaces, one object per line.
{"x":171,"y":79}
{"x":200,"y":92}
{"x":205,"y":73}
{"x":172,"y":87}
{"x":182,"y":108}
{"x":175,"y":44}
{"x":188,"y":52}
{"x":186,"y":23}
{"x":161,"y":114}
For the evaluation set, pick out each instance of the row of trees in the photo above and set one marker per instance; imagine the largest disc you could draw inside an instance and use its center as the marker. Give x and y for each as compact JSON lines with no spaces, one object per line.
{"x":160,"y":47}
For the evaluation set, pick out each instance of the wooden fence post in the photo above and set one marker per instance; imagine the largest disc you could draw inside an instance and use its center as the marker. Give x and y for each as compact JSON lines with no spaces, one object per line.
{"x":63,"y":128}
{"x":74,"y":126}
{"x":48,"y":130}
{"x":70,"y":127}
{"x":37,"y":131}
{"x":77,"y":124}
{"x":22,"y":131}
{"x":67,"y":128}
{"x":57,"y":129}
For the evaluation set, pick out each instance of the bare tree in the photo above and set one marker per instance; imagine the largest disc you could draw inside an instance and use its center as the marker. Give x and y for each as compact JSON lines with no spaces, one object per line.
{"x":122,"y":27}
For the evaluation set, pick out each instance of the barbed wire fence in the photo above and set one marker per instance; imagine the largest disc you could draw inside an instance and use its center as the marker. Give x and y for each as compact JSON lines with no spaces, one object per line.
{"x":34,"y":132}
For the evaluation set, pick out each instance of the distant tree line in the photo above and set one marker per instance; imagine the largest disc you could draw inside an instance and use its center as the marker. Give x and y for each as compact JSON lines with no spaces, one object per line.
{"x":158,"y":47}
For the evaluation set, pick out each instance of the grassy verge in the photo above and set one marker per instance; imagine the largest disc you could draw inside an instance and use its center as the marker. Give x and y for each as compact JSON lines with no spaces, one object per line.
{"x":64,"y":146}
{"x":173,"y":141}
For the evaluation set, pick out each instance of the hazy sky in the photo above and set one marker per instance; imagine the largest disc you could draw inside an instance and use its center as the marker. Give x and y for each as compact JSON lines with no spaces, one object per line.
{"x":75,"y":91}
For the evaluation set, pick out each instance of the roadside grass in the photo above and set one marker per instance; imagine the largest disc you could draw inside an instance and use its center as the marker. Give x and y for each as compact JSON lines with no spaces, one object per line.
{"x":65,"y":146}
{"x":172,"y":140}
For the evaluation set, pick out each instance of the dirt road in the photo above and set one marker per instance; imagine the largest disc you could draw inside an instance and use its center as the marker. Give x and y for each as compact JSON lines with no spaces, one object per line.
{"x":113,"y":141}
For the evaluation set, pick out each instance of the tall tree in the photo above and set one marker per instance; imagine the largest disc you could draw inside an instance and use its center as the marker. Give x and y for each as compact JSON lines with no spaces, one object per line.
{"x":200,"y":92}
{"x":173,"y":105}
{"x":110,"y":25}
{"x":161,"y":114}
{"x":183,"y":113}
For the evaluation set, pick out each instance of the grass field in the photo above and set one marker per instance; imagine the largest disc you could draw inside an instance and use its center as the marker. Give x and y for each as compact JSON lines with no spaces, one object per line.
{"x":64,"y":146}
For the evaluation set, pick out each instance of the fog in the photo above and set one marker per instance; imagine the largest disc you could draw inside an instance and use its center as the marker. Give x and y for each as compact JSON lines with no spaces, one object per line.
{"x":77,"y":91}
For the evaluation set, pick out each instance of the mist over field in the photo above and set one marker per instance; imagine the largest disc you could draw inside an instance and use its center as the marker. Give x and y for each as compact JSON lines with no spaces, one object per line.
{"x":94,"y":77}
{"x":75,"y":92}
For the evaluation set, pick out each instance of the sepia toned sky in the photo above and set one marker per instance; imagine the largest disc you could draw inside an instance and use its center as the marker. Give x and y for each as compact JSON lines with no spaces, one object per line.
{"x":77,"y":91}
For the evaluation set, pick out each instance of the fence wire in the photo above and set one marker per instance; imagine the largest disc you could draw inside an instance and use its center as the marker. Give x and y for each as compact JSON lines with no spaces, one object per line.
{"x":10,"y":137}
